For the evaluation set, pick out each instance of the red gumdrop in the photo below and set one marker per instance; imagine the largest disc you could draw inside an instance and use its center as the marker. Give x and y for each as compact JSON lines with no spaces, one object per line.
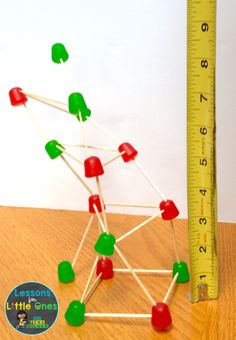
{"x":17,"y":97}
{"x":130,"y":152}
{"x":105,"y":267}
{"x":170,"y":210}
{"x":94,"y":200}
{"x":93,"y":167}
{"x":161,"y":318}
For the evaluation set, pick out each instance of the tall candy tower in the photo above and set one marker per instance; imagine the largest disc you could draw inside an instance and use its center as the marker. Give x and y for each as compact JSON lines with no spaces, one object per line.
{"x":93,"y":168}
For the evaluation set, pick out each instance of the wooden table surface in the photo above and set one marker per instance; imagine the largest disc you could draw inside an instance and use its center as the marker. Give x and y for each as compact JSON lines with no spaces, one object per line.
{"x":34,"y":241}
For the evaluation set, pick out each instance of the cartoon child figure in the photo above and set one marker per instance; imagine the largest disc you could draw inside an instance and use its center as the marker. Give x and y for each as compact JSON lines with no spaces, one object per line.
{"x":21,"y":317}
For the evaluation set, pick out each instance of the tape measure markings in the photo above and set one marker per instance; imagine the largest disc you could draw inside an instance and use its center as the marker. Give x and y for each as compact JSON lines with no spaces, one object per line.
{"x":201,"y":148}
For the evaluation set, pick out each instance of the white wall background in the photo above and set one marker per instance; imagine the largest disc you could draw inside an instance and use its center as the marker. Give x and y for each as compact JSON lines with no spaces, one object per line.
{"x":128,"y":58}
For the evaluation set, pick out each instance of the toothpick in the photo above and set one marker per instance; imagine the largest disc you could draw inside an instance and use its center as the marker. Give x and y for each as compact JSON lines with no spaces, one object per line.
{"x":134,"y":205}
{"x":89,"y":279}
{"x":99,"y":218}
{"x":82,"y":240}
{"x":169,"y":291}
{"x":145,"y":271}
{"x":135,"y":275}
{"x":92,"y":147}
{"x":100,"y":230}
{"x":77,"y":175}
{"x":35,"y":96}
{"x":114,"y":158}
{"x":102,"y":203}
{"x":48,"y":103}
{"x":69,"y":154}
{"x":117,"y":315}
{"x":139,"y":226}
{"x":149,"y":179}
{"x":92,"y":288}
{"x":36,"y":123}
{"x":101,"y":227}
{"x":174,"y":240}
{"x":83,"y":134}
{"x":103,"y":129}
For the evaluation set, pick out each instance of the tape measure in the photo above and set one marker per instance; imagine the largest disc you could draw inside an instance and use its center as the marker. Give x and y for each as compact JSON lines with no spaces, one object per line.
{"x":202,"y":204}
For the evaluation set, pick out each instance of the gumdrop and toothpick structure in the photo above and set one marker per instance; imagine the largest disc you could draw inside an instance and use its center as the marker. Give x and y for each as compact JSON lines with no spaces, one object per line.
{"x":107,"y":244}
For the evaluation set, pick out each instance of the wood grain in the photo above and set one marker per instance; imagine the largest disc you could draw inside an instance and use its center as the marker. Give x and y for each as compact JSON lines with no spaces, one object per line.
{"x":34,"y":241}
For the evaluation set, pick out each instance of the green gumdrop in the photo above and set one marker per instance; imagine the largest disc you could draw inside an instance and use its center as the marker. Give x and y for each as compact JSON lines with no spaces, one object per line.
{"x":59,"y":53}
{"x":65,"y":272}
{"x":76,"y":102}
{"x":105,"y":244}
{"x":75,"y":314}
{"x":52,"y":150}
{"x":76,"y":105}
{"x":181,"y":268}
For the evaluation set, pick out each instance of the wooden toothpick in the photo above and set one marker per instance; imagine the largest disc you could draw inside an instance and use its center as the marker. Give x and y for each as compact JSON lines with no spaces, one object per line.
{"x":35,"y":96}
{"x":113,"y":159}
{"x":100,"y":230}
{"x":102,"y":203}
{"x":77,"y":175}
{"x":99,"y":218}
{"x":145,"y":271}
{"x":82,"y":240}
{"x":174,"y":240}
{"x":95,"y":123}
{"x":133,"y":205}
{"x":117,"y":315}
{"x":170,"y":289}
{"x":48,"y":103}
{"x":149,"y":179}
{"x":92,"y":288}
{"x":150,"y":298}
{"x":138,"y":227}
{"x":69,"y":154}
{"x":84,"y":135}
{"x":36,"y":123}
{"x":91,"y":147}
{"x":89,"y":279}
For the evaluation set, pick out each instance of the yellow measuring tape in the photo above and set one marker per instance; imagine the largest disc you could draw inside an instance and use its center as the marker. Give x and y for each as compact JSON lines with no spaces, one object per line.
{"x":202,"y":205}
